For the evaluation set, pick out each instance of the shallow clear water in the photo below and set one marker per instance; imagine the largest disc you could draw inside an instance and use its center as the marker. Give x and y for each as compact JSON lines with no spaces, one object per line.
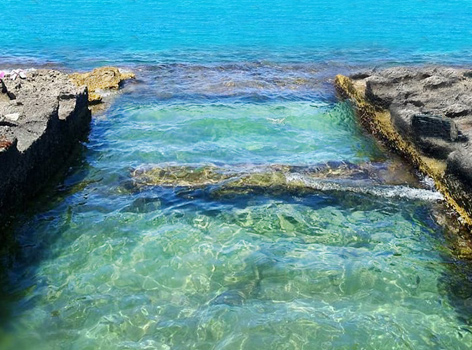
{"x":104,"y":265}
{"x":101,"y":264}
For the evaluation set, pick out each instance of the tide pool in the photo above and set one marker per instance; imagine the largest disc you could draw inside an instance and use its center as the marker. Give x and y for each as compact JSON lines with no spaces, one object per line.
{"x":99,"y":263}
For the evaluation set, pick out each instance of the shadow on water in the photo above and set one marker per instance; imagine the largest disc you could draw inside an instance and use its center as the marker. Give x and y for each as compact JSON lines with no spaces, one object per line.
{"x":21,"y":250}
{"x":457,"y":285}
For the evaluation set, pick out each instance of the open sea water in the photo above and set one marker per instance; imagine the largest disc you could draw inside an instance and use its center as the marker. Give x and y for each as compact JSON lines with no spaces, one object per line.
{"x":98,"y":263}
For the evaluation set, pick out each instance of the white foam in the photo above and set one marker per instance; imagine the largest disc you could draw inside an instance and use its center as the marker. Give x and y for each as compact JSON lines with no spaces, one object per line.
{"x":376,"y":190}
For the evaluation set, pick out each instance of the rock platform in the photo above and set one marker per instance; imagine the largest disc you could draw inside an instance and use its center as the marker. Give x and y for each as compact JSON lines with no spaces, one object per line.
{"x":44,"y":114}
{"x":425,"y":115}
{"x":42,"y":119}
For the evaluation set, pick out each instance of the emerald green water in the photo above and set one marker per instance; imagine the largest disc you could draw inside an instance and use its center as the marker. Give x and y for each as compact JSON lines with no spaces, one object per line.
{"x":102,"y":265}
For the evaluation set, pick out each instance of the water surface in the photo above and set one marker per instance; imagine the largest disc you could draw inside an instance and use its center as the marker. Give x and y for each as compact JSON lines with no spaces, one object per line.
{"x":101,"y":264}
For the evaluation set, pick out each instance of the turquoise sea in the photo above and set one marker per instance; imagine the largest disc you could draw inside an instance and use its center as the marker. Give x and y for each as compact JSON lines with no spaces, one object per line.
{"x":98,"y":263}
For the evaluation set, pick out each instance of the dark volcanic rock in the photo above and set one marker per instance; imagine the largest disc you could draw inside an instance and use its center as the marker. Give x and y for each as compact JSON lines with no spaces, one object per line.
{"x":42,"y":120}
{"x":423,"y":102}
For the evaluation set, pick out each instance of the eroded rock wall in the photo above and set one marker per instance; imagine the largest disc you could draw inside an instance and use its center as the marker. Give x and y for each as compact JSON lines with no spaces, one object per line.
{"x":42,"y":120}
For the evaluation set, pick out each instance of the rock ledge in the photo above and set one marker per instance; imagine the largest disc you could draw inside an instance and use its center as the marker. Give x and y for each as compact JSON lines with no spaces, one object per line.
{"x":425,"y":115}
{"x":42,"y":119}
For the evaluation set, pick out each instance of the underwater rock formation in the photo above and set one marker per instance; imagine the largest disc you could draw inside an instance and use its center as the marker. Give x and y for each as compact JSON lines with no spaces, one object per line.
{"x":248,"y":281}
{"x":425,"y":115}
{"x":43,"y":116}
{"x":100,"y":80}
{"x":388,"y":179}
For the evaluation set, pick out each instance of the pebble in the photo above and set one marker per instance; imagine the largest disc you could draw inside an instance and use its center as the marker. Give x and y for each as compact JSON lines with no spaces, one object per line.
{"x":13,"y":116}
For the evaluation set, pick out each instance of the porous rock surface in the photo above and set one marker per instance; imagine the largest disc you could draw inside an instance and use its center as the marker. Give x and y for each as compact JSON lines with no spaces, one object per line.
{"x":42,"y":120}
{"x":433,"y":106}
{"x":429,"y":110}
{"x":100,"y":80}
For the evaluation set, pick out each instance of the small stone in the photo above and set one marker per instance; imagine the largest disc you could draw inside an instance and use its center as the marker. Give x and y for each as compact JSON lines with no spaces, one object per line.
{"x":12,"y":116}
{"x":436,"y":82}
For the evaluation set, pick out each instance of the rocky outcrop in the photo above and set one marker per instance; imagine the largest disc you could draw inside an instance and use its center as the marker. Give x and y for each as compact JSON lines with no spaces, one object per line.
{"x":425,"y":114}
{"x":100,"y":80}
{"x":42,"y":119}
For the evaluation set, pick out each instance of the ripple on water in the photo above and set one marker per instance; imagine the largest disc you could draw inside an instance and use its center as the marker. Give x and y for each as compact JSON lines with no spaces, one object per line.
{"x":169,"y":268}
{"x":308,"y":272}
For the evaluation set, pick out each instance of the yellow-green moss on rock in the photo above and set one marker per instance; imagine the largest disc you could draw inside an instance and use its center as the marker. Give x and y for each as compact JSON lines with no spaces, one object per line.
{"x":100,"y":79}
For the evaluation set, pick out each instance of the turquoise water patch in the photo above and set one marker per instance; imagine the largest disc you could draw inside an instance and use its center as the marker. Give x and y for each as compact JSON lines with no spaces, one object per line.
{"x":294,"y":271}
{"x":87,"y":33}
{"x":108,"y":266}
{"x":286,"y":133}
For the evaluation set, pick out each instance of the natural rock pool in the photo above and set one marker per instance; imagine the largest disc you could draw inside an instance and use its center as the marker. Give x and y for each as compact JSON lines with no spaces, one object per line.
{"x":101,"y":263}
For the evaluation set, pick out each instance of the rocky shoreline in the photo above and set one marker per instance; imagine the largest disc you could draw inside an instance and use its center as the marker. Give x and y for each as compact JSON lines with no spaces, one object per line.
{"x":422,"y":113}
{"x":425,"y":115}
{"x":44,"y":115}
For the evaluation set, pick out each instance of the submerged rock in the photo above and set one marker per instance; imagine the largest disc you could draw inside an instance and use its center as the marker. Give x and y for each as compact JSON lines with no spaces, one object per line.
{"x":99,"y":80}
{"x":232,"y":297}
{"x":280,"y":179}
{"x":43,"y":116}
{"x":248,"y":280}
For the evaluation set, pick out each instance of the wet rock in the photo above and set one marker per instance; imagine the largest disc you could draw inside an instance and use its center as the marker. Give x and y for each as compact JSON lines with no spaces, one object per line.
{"x":39,"y":129}
{"x":274,"y":179}
{"x":100,"y":80}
